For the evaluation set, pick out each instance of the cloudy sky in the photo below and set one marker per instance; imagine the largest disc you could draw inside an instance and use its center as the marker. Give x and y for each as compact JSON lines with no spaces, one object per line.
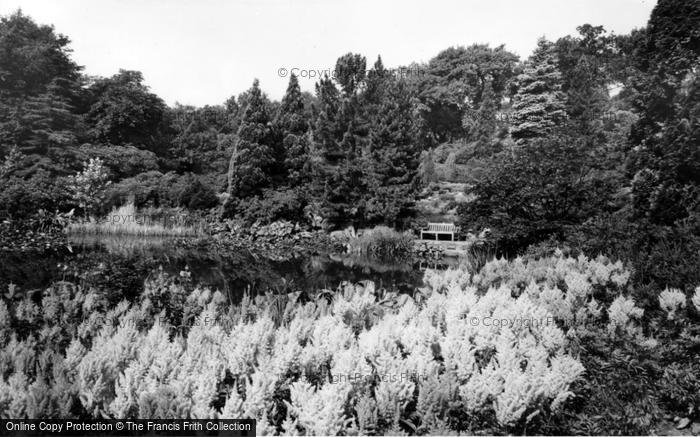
{"x":203,"y":51}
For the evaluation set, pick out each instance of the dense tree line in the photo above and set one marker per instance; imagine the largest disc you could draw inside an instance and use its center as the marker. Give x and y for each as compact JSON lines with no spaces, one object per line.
{"x":601,"y":173}
{"x":548,"y":149}
{"x":348,"y":154}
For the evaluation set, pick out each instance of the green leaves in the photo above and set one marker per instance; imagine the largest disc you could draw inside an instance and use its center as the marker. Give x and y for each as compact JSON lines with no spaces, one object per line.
{"x":536,"y":190}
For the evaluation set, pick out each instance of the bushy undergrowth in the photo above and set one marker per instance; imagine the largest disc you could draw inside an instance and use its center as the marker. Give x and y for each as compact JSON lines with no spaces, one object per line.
{"x":555,"y":345}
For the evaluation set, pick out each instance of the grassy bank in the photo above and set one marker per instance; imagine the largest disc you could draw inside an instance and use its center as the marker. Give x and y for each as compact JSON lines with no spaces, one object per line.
{"x":127,"y":220}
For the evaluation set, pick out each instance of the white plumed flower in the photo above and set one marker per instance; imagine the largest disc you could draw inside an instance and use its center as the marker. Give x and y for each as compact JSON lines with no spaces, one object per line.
{"x":672,"y":300}
{"x":621,"y":313}
{"x":696,"y":298}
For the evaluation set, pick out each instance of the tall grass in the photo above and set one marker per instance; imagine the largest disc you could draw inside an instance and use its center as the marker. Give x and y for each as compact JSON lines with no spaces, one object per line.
{"x":382,"y":242}
{"x":126,"y":220}
{"x":476,"y":257}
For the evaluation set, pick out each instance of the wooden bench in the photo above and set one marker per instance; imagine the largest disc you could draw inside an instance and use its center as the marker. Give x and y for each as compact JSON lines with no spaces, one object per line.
{"x":439,"y":229}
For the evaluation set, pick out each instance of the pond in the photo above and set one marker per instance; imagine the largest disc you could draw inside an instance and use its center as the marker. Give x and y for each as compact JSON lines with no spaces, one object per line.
{"x":122,"y":264}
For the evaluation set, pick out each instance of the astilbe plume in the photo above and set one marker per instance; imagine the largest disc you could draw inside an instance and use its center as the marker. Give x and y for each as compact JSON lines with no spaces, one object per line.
{"x":233,"y":409}
{"x":621,"y":314}
{"x":13,"y":396}
{"x":152,"y":367}
{"x":319,"y":411}
{"x":246,"y":342}
{"x":494,"y":344}
{"x":100,"y":368}
{"x":5,"y":322}
{"x":696,"y":299}
{"x":672,"y":301}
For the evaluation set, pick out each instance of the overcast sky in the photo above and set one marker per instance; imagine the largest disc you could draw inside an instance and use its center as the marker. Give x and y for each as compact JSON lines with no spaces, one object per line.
{"x":203,"y":51}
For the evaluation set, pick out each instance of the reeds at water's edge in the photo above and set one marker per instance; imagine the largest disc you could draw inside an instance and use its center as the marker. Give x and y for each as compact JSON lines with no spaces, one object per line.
{"x":382,"y":241}
{"x":126,"y":220}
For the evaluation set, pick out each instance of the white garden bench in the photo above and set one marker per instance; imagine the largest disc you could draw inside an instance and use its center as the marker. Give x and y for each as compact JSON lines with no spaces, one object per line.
{"x":439,"y":229}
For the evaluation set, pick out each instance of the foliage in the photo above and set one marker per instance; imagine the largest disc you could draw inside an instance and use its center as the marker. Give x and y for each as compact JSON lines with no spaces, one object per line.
{"x":587,"y":64}
{"x":539,"y":104}
{"x":121,"y":161}
{"x":393,"y":157}
{"x":203,"y":139}
{"x":426,"y":169}
{"x":148,"y":188}
{"x":318,"y":363}
{"x":21,"y":198}
{"x":365,"y":157}
{"x":536,"y":191}
{"x":88,"y":187}
{"x":274,"y":205}
{"x":663,"y":158}
{"x":39,"y":88}
{"x":191,"y":192}
{"x":481,"y":125}
{"x":127,"y":220}
{"x":455,"y":81}
{"x":10,"y":162}
{"x":500,"y":350}
{"x":293,"y":124}
{"x":122,"y":111}
{"x":382,"y":242}
{"x":253,"y":154}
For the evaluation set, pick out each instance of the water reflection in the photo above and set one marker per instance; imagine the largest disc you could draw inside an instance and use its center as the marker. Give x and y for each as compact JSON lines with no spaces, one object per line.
{"x":122,"y":264}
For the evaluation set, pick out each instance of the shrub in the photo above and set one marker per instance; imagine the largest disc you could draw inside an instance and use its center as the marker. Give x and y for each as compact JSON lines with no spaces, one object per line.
{"x":536,"y":191}
{"x":21,"y":198}
{"x":190,"y":192}
{"x":88,"y":187}
{"x":273,"y":205}
{"x":662,"y":256}
{"x":122,"y":161}
{"x":143,"y":189}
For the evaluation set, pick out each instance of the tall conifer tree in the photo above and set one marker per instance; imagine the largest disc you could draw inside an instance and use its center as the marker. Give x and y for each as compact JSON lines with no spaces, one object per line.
{"x":539,"y":104}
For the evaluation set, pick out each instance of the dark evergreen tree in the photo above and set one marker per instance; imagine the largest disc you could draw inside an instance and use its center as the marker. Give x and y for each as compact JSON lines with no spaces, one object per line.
{"x":665,"y":156}
{"x":375,"y":83}
{"x":202,"y":141}
{"x":293,"y":125}
{"x":539,"y":104}
{"x":392,"y":157}
{"x":350,"y":70}
{"x":327,"y":126}
{"x":40,"y":88}
{"x":481,"y":125}
{"x":587,"y":64}
{"x":252,"y":158}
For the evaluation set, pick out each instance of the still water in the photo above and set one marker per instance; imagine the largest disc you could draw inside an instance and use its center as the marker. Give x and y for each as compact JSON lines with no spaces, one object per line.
{"x":122,"y":264}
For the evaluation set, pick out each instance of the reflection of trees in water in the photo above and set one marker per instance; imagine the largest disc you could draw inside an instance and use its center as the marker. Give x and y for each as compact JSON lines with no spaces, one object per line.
{"x":30,"y":270}
{"x":121,"y":266}
{"x":330,"y":270}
